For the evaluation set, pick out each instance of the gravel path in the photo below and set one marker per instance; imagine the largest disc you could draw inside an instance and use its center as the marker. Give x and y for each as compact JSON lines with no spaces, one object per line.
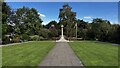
{"x":61,"y":55}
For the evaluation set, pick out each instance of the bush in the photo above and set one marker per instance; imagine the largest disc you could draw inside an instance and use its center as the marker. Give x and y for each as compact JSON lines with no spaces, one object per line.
{"x":5,"y":40}
{"x":16,"y":39}
{"x":41,"y":38}
{"x":25,"y":37}
{"x":34,"y":38}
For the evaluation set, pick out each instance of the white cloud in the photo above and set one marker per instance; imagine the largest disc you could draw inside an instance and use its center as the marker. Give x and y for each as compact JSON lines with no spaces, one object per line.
{"x":41,"y":15}
{"x":114,"y":22}
{"x":87,"y":17}
{"x":111,"y":22}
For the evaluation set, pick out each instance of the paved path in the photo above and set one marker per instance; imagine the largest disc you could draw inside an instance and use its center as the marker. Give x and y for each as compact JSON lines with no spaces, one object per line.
{"x":61,"y":55}
{"x":22,"y":43}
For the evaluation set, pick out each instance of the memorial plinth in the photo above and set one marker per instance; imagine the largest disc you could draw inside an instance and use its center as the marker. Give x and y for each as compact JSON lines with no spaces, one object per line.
{"x":62,"y":39}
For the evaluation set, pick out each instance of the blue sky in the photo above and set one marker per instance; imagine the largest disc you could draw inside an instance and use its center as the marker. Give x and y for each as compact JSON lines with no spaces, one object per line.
{"x":85,"y":10}
{"x":61,"y":0}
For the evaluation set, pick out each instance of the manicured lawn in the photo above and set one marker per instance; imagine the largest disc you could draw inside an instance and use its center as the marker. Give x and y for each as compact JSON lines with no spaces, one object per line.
{"x":26,"y":54}
{"x":0,"y":57}
{"x":93,"y":53}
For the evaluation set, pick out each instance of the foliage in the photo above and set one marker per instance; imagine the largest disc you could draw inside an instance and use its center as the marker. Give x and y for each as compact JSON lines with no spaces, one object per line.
{"x":16,"y":39}
{"x":53,"y":29}
{"x":5,"y":40}
{"x":100,"y":30}
{"x":28,"y":21}
{"x":44,"y":33}
{"x":25,"y":37}
{"x":53,"y":32}
{"x":23,"y":22}
{"x":90,"y":35}
{"x":67,"y":18}
{"x":51,"y":24}
{"x":36,"y":38}
{"x":5,"y":16}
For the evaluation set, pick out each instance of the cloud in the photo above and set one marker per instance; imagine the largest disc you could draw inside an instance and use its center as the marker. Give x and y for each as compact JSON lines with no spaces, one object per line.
{"x":114,"y":22}
{"x":87,"y":17}
{"x":41,"y":15}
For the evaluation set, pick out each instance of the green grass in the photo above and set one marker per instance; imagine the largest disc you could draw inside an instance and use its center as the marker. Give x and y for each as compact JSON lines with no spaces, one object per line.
{"x":26,"y":54}
{"x":93,"y":53}
{"x":0,"y":57}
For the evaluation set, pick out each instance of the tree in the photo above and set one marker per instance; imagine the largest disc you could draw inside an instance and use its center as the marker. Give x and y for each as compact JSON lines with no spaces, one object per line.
{"x":27,"y":21}
{"x":81,"y":24}
{"x":82,"y":28}
{"x":67,"y":18}
{"x":0,"y":21}
{"x":100,"y":28}
{"x":6,"y":25}
{"x":113,"y":34}
{"x":118,"y":35}
{"x":20,"y":23}
{"x":44,"y":33}
{"x":51,"y":23}
{"x":53,"y":31}
{"x":53,"y":28}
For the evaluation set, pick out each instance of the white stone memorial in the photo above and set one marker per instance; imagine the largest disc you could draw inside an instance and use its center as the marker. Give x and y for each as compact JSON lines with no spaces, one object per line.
{"x":62,"y":39}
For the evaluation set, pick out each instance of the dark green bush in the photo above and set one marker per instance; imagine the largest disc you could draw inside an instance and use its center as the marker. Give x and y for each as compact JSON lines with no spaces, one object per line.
{"x":25,"y":37}
{"x":16,"y":39}
{"x":41,"y":38}
{"x":34,"y":38}
{"x":5,"y":40}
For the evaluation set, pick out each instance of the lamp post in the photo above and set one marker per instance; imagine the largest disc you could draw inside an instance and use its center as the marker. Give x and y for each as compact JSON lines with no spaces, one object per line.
{"x":76,"y":30}
{"x":62,"y":30}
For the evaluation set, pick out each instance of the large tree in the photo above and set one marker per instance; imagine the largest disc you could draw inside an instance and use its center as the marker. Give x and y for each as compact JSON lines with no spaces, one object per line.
{"x":7,"y":28}
{"x":53,"y":28}
{"x":0,"y":21}
{"x":100,"y":29}
{"x":50,"y":24}
{"x":28,"y":21}
{"x":114,"y":34}
{"x":68,"y":19}
{"x":82,"y":27}
{"x":20,"y":23}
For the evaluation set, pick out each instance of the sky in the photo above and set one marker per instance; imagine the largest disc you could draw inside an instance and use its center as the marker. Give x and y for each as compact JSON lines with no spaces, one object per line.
{"x":85,"y":10}
{"x":62,"y":0}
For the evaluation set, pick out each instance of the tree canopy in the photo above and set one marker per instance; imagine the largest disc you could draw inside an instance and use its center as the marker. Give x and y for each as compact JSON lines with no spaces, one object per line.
{"x":25,"y":24}
{"x":67,"y":18}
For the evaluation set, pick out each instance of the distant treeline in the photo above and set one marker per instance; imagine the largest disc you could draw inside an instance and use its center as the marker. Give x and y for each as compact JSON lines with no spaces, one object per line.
{"x":25,"y":24}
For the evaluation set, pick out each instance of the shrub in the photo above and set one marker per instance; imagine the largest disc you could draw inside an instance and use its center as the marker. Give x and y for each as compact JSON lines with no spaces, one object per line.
{"x":25,"y":37}
{"x":41,"y":38}
{"x":34,"y":38}
{"x":16,"y":39}
{"x":5,"y":40}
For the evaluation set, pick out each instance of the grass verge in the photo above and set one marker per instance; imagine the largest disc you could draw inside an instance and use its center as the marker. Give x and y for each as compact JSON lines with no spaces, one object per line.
{"x":93,"y":53}
{"x":26,"y":54}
